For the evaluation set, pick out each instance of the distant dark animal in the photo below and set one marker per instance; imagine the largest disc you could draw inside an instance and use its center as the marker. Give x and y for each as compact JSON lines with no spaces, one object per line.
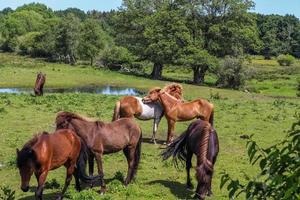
{"x":202,"y":140}
{"x":47,"y":152}
{"x":39,"y":84}
{"x":105,"y":138}
{"x":131,"y":106}
{"x":175,"y":110}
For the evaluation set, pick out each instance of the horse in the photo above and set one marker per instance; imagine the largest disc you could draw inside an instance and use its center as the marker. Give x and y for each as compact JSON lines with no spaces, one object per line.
{"x":175,"y":110}
{"x":131,"y":106}
{"x":39,"y":84}
{"x":105,"y":138}
{"x":200,"y":139}
{"x":45,"y":152}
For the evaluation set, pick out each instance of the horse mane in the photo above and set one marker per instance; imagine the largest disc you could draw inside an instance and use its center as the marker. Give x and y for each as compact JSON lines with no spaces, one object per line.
{"x":26,"y":152}
{"x":154,"y":89}
{"x":70,"y":115}
{"x":175,"y":90}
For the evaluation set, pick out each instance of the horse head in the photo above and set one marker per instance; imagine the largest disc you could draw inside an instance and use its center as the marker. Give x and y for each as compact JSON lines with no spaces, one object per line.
{"x":153,"y":95}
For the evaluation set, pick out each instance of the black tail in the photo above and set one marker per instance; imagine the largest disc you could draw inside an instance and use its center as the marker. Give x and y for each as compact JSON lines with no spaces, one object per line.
{"x":211,"y":119}
{"x":81,"y":165}
{"x":137,"y":156}
{"x":177,"y":149}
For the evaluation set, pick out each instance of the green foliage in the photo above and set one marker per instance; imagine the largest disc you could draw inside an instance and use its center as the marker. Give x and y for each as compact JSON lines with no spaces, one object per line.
{"x":278,"y":176}
{"x":298,"y":87}
{"x":285,"y":60}
{"x":116,"y":55}
{"x":231,"y":73}
{"x":6,"y":193}
{"x":91,"y":39}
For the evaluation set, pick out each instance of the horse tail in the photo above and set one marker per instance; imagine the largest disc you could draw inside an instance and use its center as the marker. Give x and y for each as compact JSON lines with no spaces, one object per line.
{"x":177,"y":149}
{"x":116,"y":115}
{"x":205,"y":169}
{"x":137,"y":156}
{"x":81,"y":165}
{"x":211,"y":118}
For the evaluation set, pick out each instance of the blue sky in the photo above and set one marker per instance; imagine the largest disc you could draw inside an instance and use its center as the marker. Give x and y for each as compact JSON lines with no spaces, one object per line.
{"x":281,"y":7}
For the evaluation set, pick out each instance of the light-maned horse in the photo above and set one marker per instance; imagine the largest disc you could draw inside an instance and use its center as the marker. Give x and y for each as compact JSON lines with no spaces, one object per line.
{"x":46,"y":152}
{"x":200,"y":139}
{"x":175,"y":110}
{"x":39,"y":84}
{"x":131,"y":106}
{"x":105,"y":138}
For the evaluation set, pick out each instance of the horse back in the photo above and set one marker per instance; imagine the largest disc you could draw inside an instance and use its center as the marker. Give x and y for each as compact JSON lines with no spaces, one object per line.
{"x":129,"y":106}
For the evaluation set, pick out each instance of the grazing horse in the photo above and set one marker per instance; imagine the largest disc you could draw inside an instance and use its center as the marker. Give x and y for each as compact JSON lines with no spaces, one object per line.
{"x":39,"y":84}
{"x":175,"y":110}
{"x":200,"y":139}
{"x":105,"y":138}
{"x":46,"y":152}
{"x":131,"y":106}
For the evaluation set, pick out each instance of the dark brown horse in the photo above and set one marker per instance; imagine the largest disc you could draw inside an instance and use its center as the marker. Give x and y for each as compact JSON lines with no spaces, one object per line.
{"x":131,"y":106}
{"x":39,"y":84}
{"x":105,"y":138}
{"x":47,"y":152}
{"x":202,"y":140}
{"x":175,"y":110}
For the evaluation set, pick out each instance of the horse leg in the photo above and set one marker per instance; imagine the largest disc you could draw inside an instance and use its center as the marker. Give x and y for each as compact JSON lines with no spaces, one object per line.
{"x":98,"y":157}
{"x":171,"y":127}
{"x":188,"y":167}
{"x":77,"y":182}
{"x":129,"y":153}
{"x":70,"y":171}
{"x":155,"y":125}
{"x":41,"y":178}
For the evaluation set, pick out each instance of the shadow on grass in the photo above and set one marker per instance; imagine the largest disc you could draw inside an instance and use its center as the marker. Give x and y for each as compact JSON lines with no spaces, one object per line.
{"x":177,"y":189}
{"x":149,"y":141}
{"x":53,"y":195}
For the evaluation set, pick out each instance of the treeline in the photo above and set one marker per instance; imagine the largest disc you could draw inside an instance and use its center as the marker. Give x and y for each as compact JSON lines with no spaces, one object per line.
{"x":186,"y":33}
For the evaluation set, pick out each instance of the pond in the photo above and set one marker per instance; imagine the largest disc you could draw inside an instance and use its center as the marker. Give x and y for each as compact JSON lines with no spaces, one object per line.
{"x":108,"y":90}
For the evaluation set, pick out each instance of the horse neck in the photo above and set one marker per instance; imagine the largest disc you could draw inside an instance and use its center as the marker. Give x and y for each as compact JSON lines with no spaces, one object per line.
{"x":167,"y":101}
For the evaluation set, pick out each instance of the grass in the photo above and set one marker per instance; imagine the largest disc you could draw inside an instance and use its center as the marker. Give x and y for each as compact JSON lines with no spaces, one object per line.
{"x":237,"y":113}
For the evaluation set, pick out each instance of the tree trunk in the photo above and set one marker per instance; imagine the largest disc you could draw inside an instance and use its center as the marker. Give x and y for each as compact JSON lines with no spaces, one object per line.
{"x":199,"y":74}
{"x":91,"y":61}
{"x":157,"y":71}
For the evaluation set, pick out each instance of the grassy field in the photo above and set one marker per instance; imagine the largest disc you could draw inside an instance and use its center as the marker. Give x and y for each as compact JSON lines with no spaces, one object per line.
{"x":237,"y":113}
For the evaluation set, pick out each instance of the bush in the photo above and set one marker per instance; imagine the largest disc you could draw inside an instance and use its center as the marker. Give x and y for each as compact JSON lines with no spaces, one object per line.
{"x":278,"y":176}
{"x":116,"y":56}
{"x":285,"y":60}
{"x":231,"y":74}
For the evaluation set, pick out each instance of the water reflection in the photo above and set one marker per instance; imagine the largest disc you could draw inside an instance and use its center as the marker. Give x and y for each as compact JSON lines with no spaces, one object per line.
{"x":108,"y":90}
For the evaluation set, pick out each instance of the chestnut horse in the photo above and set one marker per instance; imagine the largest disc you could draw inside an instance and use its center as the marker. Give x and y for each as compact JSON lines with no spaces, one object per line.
{"x":131,"y":106}
{"x":46,"y":152}
{"x":39,"y":84}
{"x":202,"y":140}
{"x":105,"y":138}
{"x":175,"y":110}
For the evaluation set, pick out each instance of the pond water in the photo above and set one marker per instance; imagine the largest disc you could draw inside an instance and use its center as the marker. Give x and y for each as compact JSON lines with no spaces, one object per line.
{"x":108,"y":90}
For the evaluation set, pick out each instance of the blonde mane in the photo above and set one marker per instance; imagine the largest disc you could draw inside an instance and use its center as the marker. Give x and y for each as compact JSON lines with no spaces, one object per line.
{"x":175,"y":90}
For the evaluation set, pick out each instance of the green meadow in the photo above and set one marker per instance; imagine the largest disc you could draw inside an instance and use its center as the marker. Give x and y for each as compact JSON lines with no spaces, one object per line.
{"x":267,"y":113}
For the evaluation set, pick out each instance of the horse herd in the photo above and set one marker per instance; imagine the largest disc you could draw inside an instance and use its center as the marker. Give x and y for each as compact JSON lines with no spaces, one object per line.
{"x":79,"y":140}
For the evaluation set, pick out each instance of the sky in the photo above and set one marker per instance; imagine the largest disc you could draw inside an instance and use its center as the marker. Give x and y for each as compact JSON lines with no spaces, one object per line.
{"x":281,"y":7}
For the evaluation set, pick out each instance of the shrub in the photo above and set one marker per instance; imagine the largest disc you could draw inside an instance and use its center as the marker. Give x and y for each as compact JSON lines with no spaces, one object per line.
{"x":278,"y":176}
{"x":231,"y":74}
{"x":285,"y":60}
{"x":116,"y":56}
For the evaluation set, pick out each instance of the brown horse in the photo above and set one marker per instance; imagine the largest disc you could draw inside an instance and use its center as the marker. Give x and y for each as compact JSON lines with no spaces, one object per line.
{"x":131,"y":106}
{"x":105,"y":138}
{"x":39,"y":84}
{"x":202,"y":140}
{"x":175,"y":110}
{"x":47,"y":152}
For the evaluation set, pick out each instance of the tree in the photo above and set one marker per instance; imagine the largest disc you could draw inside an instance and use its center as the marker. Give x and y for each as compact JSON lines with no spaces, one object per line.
{"x":166,"y":35}
{"x":279,"y":170}
{"x":75,"y":11}
{"x":67,"y":38}
{"x":91,"y":39}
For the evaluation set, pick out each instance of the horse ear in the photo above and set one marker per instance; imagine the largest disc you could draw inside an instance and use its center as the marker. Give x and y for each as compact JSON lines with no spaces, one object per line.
{"x":18,"y":151}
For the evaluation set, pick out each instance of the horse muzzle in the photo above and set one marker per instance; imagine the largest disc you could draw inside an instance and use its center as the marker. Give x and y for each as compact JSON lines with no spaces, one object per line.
{"x":25,"y":189}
